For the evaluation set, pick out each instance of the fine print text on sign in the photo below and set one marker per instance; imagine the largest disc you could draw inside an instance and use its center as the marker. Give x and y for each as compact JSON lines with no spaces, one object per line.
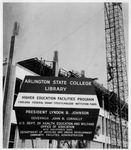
{"x":56,"y":108}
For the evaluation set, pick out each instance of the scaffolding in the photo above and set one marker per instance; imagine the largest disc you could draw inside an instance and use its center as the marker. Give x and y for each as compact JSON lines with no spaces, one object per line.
{"x":116,"y":75}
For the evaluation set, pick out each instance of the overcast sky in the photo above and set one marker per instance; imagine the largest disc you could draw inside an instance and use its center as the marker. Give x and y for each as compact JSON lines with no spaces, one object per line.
{"x":75,"y":30}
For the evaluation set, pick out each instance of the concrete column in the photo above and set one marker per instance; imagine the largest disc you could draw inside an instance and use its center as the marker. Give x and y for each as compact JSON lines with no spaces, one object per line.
{"x":83,"y":73}
{"x":56,"y":71}
{"x":56,"y":66}
{"x":9,"y":90}
{"x":9,"y":98}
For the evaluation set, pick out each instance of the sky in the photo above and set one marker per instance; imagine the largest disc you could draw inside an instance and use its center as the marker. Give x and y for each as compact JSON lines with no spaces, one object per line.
{"x":76,"y":30}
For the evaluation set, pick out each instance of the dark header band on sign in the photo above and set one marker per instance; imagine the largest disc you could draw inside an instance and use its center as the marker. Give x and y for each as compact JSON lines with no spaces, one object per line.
{"x":37,"y":84}
{"x":58,"y":82}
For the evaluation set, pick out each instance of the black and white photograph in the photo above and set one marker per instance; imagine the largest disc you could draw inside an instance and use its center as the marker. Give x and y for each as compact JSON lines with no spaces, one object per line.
{"x":65,"y":74}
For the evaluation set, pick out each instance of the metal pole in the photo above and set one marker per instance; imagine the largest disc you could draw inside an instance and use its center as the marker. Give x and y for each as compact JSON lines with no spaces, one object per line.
{"x":103,"y":104}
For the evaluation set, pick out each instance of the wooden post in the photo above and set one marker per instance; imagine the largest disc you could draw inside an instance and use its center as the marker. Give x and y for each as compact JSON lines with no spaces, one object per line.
{"x":16,"y":137}
{"x":38,"y":142}
{"x":23,"y":143}
{"x":32,"y":141}
{"x":88,"y":144}
{"x":9,"y":91}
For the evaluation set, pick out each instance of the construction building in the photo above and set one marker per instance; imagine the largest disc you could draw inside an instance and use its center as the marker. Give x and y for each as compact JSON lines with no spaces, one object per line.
{"x":36,"y":67}
{"x":112,"y":123}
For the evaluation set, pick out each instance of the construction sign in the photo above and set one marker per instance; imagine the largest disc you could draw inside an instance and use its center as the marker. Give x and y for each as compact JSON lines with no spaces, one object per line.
{"x":56,"y":108}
